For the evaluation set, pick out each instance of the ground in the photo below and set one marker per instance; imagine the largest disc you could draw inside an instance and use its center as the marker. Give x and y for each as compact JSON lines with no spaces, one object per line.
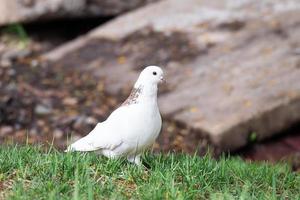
{"x":41,"y":103}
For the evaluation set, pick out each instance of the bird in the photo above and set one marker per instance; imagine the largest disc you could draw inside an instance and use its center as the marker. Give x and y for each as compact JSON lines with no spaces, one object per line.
{"x":131,"y":128}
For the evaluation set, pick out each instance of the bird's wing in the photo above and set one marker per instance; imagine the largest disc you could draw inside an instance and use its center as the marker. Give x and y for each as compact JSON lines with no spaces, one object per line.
{"x":99,"y":138}
{"x":108,"y":134}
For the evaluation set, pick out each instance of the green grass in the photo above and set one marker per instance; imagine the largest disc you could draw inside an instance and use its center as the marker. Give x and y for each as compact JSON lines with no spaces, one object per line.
{"x":17,"y":34}
{"x":31,"y":172}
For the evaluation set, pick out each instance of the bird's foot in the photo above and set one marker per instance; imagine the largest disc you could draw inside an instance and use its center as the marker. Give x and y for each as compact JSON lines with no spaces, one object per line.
{"x":136,"y":159}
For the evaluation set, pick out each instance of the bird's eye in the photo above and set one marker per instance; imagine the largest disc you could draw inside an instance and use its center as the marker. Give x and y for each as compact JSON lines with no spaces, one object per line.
{"x":154,"y":73}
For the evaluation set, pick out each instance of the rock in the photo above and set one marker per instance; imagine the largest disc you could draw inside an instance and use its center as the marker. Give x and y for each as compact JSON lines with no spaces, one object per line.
{"x":11,"y":87}
{"x":13,"y":11}
{"x":42,"y":110}
{"x":232,"y":67}
{"x":40,"y":123}
{"x":79,"y":122}
{"x":5,"y":63}
{"x":69,"y":101}
{"x":66,"y":120}
{"x":12,"y":54}
{"x":58,"y":134}
{"x":33,"y":132}
{"x":11,"y":72}
{"x":91,"y":120}
{"x":6,"y":130}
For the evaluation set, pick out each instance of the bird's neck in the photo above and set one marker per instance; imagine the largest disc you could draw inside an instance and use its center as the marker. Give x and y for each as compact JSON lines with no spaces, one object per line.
{"x":142,"y":94}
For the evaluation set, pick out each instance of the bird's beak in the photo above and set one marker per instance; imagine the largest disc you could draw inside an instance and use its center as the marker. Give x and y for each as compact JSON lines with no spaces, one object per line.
{"x":162,"y":80}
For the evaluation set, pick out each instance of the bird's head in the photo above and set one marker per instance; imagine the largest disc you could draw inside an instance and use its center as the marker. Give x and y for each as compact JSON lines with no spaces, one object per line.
{"x":152,"y":75}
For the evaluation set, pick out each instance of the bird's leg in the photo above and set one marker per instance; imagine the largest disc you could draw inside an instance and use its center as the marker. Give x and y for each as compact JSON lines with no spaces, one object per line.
{"x":136,"y":159}
{"x":108,"y":154}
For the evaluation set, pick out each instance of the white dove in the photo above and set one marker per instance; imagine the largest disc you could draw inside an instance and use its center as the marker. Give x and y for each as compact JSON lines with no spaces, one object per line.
{"x":131,"y":128}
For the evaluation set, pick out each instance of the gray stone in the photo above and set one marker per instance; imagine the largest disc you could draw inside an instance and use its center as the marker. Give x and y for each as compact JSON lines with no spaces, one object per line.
{"x":13,"y":54}
{"x":91,"y":120}
{"x":232,"y":67}
{"x":42,"y":110}
{"x":58,"y":134}
{"x":30,"y":10}
{"x":5,"y":131}
{"x":5,"y":63}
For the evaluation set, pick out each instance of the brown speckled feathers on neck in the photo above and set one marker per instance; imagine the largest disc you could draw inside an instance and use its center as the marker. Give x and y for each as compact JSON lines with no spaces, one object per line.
{"x":132,"y":99}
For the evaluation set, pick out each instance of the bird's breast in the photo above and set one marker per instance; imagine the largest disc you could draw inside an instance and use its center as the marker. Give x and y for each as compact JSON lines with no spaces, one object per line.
{"x":142,"y":125}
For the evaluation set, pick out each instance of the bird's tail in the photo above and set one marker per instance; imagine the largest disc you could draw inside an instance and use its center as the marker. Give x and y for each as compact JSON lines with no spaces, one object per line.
{"x":81,"y":145}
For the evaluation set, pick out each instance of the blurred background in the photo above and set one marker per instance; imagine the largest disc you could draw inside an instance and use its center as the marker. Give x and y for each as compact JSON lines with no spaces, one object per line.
{"x":232,"y":70}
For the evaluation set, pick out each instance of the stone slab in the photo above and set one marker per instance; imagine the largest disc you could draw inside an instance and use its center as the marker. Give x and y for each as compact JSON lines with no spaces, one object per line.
{"x":14,"y":11}
{"x":232,"y":67}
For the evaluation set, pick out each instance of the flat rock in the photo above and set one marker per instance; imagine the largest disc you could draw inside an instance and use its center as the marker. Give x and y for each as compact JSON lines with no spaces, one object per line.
{"x":13,"y":11}
{"x":232,"y":67}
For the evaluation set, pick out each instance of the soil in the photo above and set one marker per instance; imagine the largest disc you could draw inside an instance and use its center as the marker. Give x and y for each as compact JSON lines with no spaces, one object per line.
{"x":42,"y":104}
